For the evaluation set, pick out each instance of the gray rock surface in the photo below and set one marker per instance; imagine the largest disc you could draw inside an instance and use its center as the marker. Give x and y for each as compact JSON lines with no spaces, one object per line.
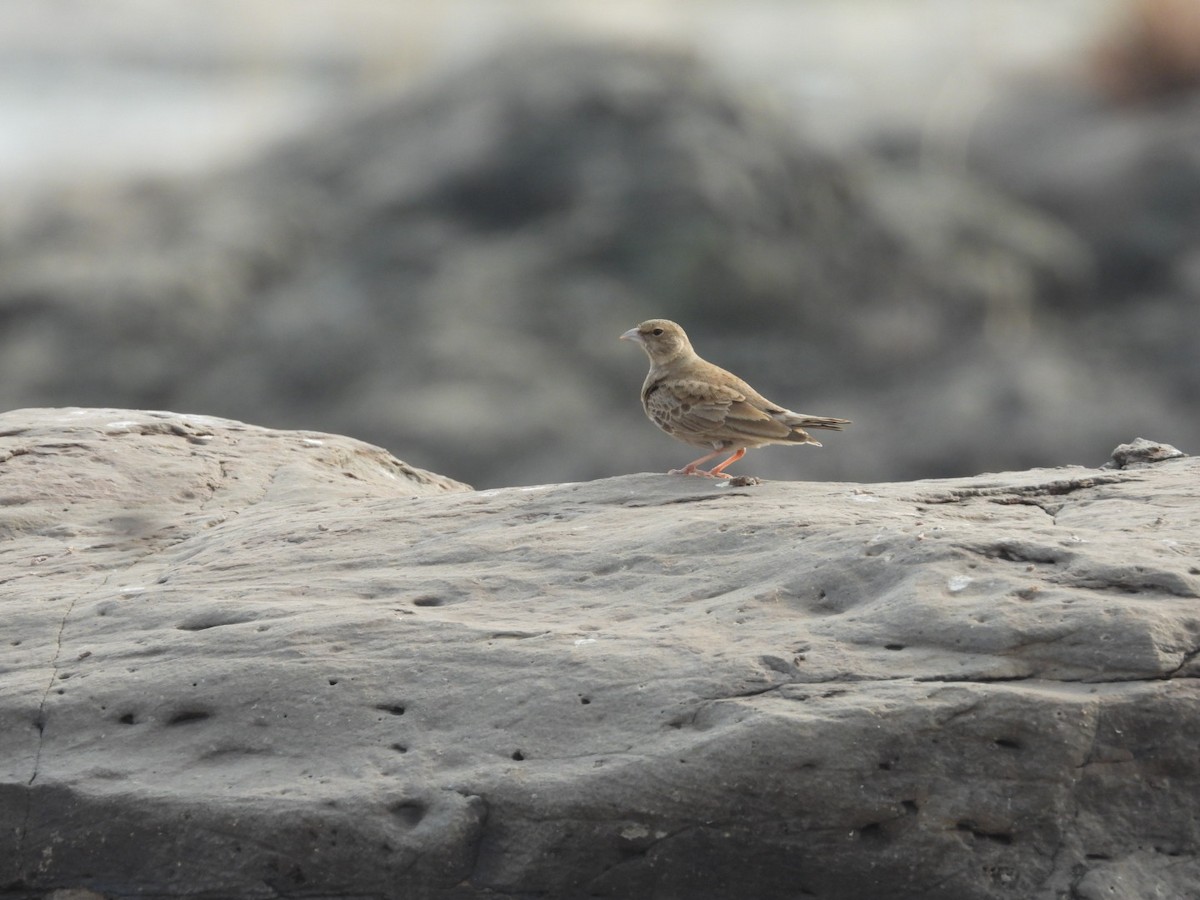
{"x":248,"y":664}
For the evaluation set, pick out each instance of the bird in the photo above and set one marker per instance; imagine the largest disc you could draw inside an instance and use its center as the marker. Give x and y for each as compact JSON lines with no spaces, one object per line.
{"x":705,"y":406}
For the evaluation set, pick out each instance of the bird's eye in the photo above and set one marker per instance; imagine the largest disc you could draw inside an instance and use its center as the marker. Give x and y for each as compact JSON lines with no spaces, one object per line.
{"x":656,"y":332}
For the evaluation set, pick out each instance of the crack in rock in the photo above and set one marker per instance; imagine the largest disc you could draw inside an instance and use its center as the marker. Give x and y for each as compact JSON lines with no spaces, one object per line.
{"x":1022,"y":494}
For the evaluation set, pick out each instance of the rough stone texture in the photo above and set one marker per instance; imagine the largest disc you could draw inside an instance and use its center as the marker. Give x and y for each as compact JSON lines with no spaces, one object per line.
{"x":243,"y":663}
{"x":1141,"y":452}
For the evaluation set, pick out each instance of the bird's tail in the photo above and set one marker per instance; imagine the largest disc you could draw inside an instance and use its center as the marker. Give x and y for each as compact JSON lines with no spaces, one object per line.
{"x":796,"y":420}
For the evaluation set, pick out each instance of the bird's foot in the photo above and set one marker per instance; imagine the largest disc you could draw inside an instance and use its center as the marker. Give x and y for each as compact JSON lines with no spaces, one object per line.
{"x":692,"y":470}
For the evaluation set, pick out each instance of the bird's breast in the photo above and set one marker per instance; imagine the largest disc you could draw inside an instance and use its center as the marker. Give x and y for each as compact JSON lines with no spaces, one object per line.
{"x":650,"y":388}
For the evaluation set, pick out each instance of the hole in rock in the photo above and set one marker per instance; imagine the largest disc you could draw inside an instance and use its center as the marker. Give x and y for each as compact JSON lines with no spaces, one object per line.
{"x":585,"y":700}
{"x":188,"y":715}
{"x":399,"y":748}
{"x":428,"y":601}
{"x":893,"y":646}
{"x":127,"y":719}
{"x":393,"y":708}
{"x":215,"y":619}
{"x":872,"y":832}
{"x":1000,"y":837}
{"x":1008,"y":743}
{"x":777,"y":664}
{"x":410,"y":812}
{"x":518,"y":755}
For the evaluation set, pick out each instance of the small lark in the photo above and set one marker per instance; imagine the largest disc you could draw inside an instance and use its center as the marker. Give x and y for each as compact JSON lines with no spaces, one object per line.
{"x":703,"y":405}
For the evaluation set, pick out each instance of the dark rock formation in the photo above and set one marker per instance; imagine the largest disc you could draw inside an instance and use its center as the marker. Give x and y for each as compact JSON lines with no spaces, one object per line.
{"x":241,"y":663}
{"x":1124,"y":177}
{"x":446,"y":274}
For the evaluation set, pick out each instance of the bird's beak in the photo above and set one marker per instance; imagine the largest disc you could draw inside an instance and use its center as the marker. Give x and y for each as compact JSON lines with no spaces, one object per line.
{"x":632,"y":335}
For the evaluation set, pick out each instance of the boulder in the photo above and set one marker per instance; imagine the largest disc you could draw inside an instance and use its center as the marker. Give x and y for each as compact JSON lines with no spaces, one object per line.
{"x":249,"y":663}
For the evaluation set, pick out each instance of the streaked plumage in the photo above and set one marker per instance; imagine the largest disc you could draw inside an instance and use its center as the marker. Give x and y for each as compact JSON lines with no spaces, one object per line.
{"x":703,"y":405}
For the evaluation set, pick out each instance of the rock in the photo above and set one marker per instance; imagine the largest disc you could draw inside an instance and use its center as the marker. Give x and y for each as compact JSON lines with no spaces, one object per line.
{"x":1115,"y":174}
{"x":246,"y":663}
{"x":1141,"y":452}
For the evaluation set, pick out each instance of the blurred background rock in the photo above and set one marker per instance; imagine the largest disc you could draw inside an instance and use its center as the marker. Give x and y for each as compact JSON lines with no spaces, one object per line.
{"x":972,"y":228}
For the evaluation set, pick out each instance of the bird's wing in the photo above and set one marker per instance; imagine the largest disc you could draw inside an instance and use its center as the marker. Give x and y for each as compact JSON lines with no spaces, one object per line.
{"x":712,"y":412}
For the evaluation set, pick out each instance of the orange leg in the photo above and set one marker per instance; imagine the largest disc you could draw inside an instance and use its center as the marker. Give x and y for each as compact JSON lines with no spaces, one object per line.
{"x":692,"y":468}
{"x":720,"y":470}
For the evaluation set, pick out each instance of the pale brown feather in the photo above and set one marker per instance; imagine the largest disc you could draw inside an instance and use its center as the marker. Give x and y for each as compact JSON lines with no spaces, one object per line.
{"x":704,"y":405}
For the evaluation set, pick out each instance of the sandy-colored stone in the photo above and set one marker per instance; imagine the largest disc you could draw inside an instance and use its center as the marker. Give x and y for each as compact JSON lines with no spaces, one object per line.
{"x":246,"y":663}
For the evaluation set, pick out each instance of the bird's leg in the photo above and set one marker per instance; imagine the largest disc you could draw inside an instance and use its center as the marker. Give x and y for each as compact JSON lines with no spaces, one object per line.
{"x":719,"y":471}
{"x":690,"y":468}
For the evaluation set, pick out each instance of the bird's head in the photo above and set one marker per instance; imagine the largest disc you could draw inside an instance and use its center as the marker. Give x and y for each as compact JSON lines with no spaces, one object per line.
{"x":662,"y":340}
